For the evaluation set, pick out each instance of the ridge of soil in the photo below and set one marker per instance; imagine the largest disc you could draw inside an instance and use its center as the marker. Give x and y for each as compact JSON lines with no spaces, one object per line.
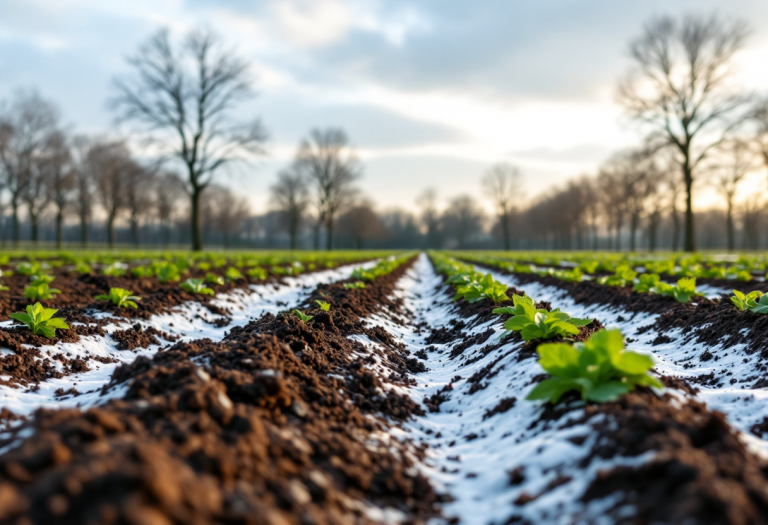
{"x":280,"y":423}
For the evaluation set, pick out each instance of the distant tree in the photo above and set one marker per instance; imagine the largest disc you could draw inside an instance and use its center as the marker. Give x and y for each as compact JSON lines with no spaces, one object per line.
{"x":185,"y":97}
{"x":430,"y":217}
{"x":291,"y":197}
{"x":140,"y":185}
{"x":169,"y":191}
{"x":224,"y":212}
{"x":463,"y":219}
{"x":680,"y":90}
{"x":734,"y":162}
{"x":331,"y":166}
{"x":58,"y":161}
{"x":25,"y":127}
{"x":361,"y":223}
{"x":83,"y":182}
{"x":108,"y":163}
{"x":503,"y":184}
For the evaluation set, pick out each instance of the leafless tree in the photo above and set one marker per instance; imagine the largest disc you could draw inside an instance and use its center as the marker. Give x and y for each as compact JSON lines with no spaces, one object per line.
{"x":361,"y":223}
{"x":430,"y":217}
{"x":169,"y":191}
{"x":83,"y":182}
{"x":25,"y":126}
{"x":58,"y":162}
{"x":680,"y":89}
{"x":108,"y":163}
{"x":224,"y":211}
{"x":140,"y":185}
{"x":502,"y":184}
{"x":331,"y":166}
{"x":185,"y":97}
{"x":37,"y":187}
{"x":463,"y":219}
{"x":734,"y":161}
{"x":291,"y":196}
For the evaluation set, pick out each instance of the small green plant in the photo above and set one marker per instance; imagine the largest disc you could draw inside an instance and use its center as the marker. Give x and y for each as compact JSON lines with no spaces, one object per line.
{"x":28,"y":268}
{"x":533,"y":323}
{"x":3,"y":288}
{"x":168,"y":273}
{"x":83,"y":269}
{"x":40,"y":278}
{"x":304,"y":317}
{"x":233,"y":274}
{"x":39,"y":292}
{"x":120,"y":298}
{"x":139,"y":272}
{"x":646,"y":282}
{"x":682,"y":292}
{"x":203,"y":266}
{"x":600,"y":369}
{"x":485,"y":288}
{"x":115,"y":269}
{"x":324,"y":306}
{"x":196,"y":286}
{"x":257,"y":273}
{"x":354,"y":286}
{"x":621,"y":277}
{"x":40,"y":320}
{"x":212,"y":278}
{"x":589,"y":266}
{"x":755,"y":301}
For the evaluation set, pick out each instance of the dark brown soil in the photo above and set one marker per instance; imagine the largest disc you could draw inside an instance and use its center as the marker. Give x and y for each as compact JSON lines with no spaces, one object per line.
{"x":138,"y":337}
{"x":272,"y":425}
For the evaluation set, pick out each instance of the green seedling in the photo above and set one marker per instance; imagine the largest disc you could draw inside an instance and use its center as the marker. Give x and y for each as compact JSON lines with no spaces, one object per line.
{"x":114,"y":270}
{"x":682,"y":292}
{"x":212,"y":278}
{"x":621,"y":277}
{"x":354,"y":286}
{"x":83,"y":269}
{"x":40,"y":278}
{"x":485,"y":288}
{"x":233,"y":274}
{"x":646,"y":282}
{"x":600,"y":369}
{"x":304,"y":317}
{"x":28,"y":268}
{"x":39,"y":292}
{"x":196,"y":286}
{"x":40,"y":320}
{"x":755,"y":301}
{"x":257,"y":274}
{"x":533,"y":323}
{"x":324,"y":306}
{"x":168,"y":273}
{"x":120,"y":298}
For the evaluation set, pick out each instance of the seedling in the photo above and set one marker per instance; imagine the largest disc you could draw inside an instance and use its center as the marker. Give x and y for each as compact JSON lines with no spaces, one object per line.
{"x":354,"y":286}
{"x":304,"y":317}
{"x":28,"y":268}
{"x":257,"y":273}
{"x":755,"y":301}
{"x":621,"y":277}
{"x":646,"y":282}
{"x":539,"y":323}
{"x":682,"y":292}
{"x":120,"y":298}
{"x":83,"y":269}
{"x":324,"y":306}
{"x":40,"y":320}
{"x":139,"y":272}
{"x":168,"y":273}
{"x":212,"y":278}
{"x":196,"y":286}
{"x":114,"y":270}
{"x":600,"y":369}
{"x":39,"y":292}
{"x":40,"y":278}
{"x":485,"y":288}
{"x":233,"y":274}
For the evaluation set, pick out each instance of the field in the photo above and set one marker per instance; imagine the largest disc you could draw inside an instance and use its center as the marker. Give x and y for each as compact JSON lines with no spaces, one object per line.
{"x":382,"y":387}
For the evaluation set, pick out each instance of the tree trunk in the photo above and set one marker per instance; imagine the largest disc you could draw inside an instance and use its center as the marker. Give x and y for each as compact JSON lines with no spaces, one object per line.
{"x":329,"y":231}
{"x":111,"y":230}
{"x":675,"y":229}
{"x":33,"y":223}
{"x":15,"y":220}
{"x":316,"y":240}
{"x":729,"y":226}
{"x":293,"y":230}
{"x":83,"y":231}
{"x":59,"y":228}
{"x":689,"y":244}
{"x":505,"y":229}
{"x":633,"y":231}
{"x":653,"y":222}
{"x":195,"y":227}
{"x":135,"y":232}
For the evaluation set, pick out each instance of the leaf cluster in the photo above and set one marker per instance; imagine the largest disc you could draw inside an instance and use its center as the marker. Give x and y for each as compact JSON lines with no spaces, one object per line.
{"x":196,"y":286}
{"x":755,"y":301}
{"x":120,"y":297}
{"x":39,"y":292}
{"x":40,"y":320}
{"x":533,"y":323}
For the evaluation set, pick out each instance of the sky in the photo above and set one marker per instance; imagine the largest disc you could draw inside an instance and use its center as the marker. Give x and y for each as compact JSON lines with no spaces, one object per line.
{"x":431,"y":93}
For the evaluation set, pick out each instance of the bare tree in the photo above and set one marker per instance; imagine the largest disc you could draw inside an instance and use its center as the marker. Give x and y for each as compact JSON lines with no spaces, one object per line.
{"x":169,"y":190}
{"x":36,"y":192}
{"x":83,"y":182}
{"x":224,"y":211}
{"x":291,"y":196}
{"x":502,"y":183}
{"x":185,"y":96}
{"x":361,"y":223}
{"x":463,"y":219}
{"x":108,"y":163}
{"x":680,"y":90}
{"x":139,"y":186}
{"x":329,"y":162}
{"x":58,"y":162}
{"x":430,"y":217}
{"x":736,"y":160}
{"x":24,"y":130}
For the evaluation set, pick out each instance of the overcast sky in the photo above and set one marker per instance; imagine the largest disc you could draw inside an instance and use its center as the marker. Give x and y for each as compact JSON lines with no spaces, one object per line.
{"x":430,"y":92}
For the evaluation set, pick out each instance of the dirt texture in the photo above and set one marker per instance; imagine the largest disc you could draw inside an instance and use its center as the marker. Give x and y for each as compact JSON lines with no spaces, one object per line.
{"x":277,"y":424}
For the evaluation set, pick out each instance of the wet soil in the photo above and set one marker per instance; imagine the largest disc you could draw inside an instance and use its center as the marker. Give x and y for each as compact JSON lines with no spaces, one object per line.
{"x":276,"y":424}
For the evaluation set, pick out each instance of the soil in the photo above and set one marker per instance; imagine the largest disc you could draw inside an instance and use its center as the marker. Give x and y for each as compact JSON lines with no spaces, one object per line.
{"x":276,"y":424}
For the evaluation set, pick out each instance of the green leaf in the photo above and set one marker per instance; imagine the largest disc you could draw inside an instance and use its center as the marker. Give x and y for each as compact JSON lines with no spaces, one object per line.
{"x":22,"y":317}
{"x":633,"y":363}
{"x":607,"y":391}
{"x":579,"y":322}
{"x":50,"y":333}
{"x":558,"y":359}
{"x":57,"y":322}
